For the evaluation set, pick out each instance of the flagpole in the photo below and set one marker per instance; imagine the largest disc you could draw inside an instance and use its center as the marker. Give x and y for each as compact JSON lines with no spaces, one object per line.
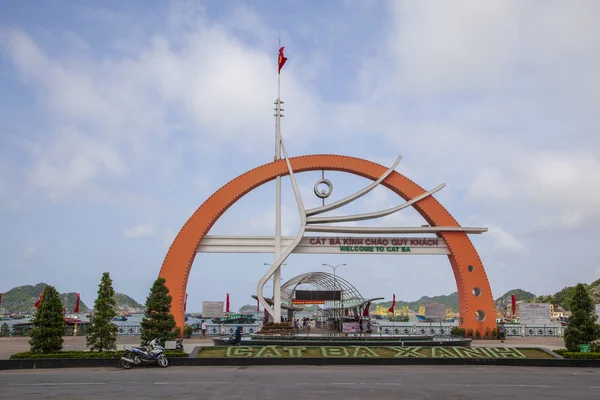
{"x":277,"y":274}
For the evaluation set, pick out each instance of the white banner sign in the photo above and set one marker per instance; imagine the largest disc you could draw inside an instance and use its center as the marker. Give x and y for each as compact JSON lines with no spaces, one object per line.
{"x":435,"y":310}
{"x":212,"y":309}
{"x":389,"y":245}
{"x":534,"y":313}
{"x":598,"y":312}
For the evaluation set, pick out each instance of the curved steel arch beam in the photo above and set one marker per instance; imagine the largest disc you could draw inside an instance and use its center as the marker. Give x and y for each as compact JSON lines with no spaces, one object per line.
{"x":277,"y":264}
{"x":373,"y":215}
{"x":357,"y":195}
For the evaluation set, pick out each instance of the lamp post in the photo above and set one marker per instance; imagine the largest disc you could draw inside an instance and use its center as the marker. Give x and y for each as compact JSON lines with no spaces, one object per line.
{"x":335,"y":280}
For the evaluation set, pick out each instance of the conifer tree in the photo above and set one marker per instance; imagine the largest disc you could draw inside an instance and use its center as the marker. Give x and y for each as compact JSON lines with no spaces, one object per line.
{"x":582,"y":327}
{"x":158,"y":322}
{"x":48,"y":323}
{"x":101,"y":335}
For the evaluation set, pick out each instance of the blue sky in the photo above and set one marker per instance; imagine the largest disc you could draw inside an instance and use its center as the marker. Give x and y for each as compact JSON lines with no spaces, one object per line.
{"x":120,"y":118}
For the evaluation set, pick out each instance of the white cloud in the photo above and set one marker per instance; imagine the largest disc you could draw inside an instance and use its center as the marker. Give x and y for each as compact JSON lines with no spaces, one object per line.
{"x":143,"y":230}
{"x":219,"y":87}
{"x":566,"y":185}
{"x":30,"y":251}
{"x":504,"y":241}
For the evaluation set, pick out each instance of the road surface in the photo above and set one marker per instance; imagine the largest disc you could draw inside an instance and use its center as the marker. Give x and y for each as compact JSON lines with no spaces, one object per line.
{"x":304,"y":382}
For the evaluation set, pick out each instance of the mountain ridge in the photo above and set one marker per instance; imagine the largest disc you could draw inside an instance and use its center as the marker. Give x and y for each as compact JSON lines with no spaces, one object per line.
{"x":21,"y":299}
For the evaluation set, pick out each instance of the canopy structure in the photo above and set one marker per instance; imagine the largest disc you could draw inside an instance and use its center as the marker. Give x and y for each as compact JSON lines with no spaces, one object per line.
{"x":350,"y":296}
{"x":283,"y":306}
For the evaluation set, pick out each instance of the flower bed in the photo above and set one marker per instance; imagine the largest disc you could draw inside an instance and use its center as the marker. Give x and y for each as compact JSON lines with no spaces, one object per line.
{"x":369,"y":352}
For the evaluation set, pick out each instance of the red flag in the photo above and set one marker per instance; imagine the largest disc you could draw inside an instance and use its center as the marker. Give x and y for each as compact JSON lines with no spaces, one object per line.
{"x":39,"y":300}
{"x":0,"y":298}
{"x":513,"y":299}
{"x":185,"y":303}
{"x":346,"y":312}
{"x":227,"y":304}
{"x":266,"y":315}
{"x":393,"y":304}
{"x":281,"y":60}
{"x":76,"y":309}
{"x":366,"y":311}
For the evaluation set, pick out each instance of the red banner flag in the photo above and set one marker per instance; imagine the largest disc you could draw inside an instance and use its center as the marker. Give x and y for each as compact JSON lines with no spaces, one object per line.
{"x":39,"y":300}
{"x":227,"y":304}
{"x":185,"y":303}
{"x":366,"y":311}
{"x":513,"y":299}
{"x":346,"y":312}
{"x":391,"y":309}
{"x":0,"y":299}
{"x":76,"y":309}
{"x":281,"y":60}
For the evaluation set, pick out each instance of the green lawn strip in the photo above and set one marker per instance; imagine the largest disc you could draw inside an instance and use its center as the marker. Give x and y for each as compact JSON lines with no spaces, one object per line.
{"x":367,"y":352}
{"x":28,"y":355}
{"x":533,"y":352}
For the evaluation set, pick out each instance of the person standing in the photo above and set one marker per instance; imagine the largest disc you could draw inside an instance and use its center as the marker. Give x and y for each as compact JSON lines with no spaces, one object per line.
{"x":502,"y":331}
{"x":203,"y":328}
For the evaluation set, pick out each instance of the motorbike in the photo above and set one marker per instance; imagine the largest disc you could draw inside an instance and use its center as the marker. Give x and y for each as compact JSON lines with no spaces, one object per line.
{"x":152,"y":354}
{"x":179,"y":344}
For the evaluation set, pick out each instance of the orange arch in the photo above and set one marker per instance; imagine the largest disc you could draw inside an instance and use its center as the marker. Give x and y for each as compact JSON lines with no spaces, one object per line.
{"x":474,"y":292}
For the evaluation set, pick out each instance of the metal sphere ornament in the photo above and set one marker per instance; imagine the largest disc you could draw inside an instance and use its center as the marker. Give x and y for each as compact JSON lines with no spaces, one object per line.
{"x":323,"y":188}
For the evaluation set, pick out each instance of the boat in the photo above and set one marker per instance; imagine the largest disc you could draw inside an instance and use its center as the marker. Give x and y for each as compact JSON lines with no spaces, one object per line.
{"x":398,"y":318}
{"x":121,"y":318}
{"x":423,"y":318}
{"x":233,"y":318}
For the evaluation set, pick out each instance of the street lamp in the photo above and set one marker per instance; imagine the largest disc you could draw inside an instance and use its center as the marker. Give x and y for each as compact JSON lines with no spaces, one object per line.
{"x":334,"y":278}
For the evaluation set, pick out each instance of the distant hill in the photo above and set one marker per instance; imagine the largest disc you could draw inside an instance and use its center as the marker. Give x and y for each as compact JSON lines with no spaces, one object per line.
{"x":520,"y":294}
{"x":21,"y":299}
{"x":248,"y":309}
{"x":564,"y":296}
{"x":127,"y":304}
{"x":561,"y":298}
{"x":450,"y":301}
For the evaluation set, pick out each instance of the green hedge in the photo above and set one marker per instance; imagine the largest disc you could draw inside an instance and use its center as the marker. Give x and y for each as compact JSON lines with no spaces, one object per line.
{"x":84,"y":354}
{"x":581,"y":356}
{"x":560,"y":352}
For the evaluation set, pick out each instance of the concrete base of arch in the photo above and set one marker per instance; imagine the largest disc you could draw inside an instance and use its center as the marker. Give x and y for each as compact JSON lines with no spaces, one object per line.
{"x":476,"y":304}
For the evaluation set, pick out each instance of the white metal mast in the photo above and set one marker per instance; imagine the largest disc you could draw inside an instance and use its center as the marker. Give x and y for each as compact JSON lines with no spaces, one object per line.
{"x":277,"y":274}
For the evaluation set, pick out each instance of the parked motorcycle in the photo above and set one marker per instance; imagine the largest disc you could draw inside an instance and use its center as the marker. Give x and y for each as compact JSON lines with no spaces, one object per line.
{"x":179,"y":344}
{"x":151,"y":354}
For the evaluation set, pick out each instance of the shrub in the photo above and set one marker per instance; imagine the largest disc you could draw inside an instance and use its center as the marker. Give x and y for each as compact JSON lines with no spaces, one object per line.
{"x":456,"y":331}
{"x":581,"y":356}
{"x":187,"y":331}
{"x":48,"y":323}
{"x":582,"y":327}
{"x":158,"y":322}
{"x":560,"y":352}
{"x":101,"y":335}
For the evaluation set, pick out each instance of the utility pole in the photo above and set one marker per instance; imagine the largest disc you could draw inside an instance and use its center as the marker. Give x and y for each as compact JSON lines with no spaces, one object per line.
{"x":335,"y":281}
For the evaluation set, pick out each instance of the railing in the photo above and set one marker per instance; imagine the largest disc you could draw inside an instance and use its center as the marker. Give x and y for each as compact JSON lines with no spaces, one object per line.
{"x":384,"y":329}
{"x":524,"y":330}
{"x":444,"y":330}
